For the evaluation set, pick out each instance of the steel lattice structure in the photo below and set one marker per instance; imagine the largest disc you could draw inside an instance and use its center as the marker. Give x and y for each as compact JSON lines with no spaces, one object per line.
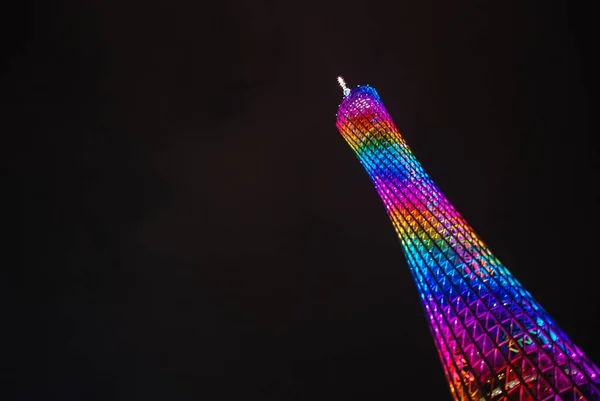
{"x":494,"y":340}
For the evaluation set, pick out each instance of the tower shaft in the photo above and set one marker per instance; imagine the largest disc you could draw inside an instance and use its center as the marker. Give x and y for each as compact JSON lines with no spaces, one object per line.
{"x":495,"y":341}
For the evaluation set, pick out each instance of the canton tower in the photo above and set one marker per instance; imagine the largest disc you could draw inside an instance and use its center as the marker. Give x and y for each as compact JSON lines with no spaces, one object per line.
{"x":494,"y":340}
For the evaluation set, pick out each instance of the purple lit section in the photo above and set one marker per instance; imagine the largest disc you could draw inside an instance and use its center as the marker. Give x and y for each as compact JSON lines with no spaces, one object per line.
{"x":494,"y":340}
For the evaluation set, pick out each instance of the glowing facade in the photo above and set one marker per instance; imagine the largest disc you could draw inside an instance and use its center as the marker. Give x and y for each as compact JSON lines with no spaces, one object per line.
{"x":494,"y":340}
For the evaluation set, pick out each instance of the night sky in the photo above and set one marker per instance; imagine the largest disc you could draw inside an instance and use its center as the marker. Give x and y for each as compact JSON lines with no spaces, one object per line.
{"x":191,"y":226}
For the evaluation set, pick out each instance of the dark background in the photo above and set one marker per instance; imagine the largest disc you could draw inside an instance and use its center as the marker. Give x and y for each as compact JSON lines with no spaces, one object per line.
{"x":189,"y":224}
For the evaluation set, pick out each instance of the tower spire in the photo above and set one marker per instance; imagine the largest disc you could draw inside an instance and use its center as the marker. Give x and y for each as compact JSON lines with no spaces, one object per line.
{"x":343,"y":85}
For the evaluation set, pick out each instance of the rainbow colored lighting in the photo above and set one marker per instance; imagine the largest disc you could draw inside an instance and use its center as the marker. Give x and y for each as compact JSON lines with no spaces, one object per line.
{"x":494,"y":340}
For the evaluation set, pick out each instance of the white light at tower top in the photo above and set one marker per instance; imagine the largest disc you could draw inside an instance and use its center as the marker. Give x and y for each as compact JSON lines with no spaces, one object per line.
{"x":343,"y":85}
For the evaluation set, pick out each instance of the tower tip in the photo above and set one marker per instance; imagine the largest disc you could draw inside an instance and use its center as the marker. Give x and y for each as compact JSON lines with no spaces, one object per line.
{"x":343,"y":85}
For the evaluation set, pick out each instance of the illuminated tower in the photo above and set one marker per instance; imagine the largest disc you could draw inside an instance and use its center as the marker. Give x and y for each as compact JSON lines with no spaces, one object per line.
{"x":494,"y":340}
